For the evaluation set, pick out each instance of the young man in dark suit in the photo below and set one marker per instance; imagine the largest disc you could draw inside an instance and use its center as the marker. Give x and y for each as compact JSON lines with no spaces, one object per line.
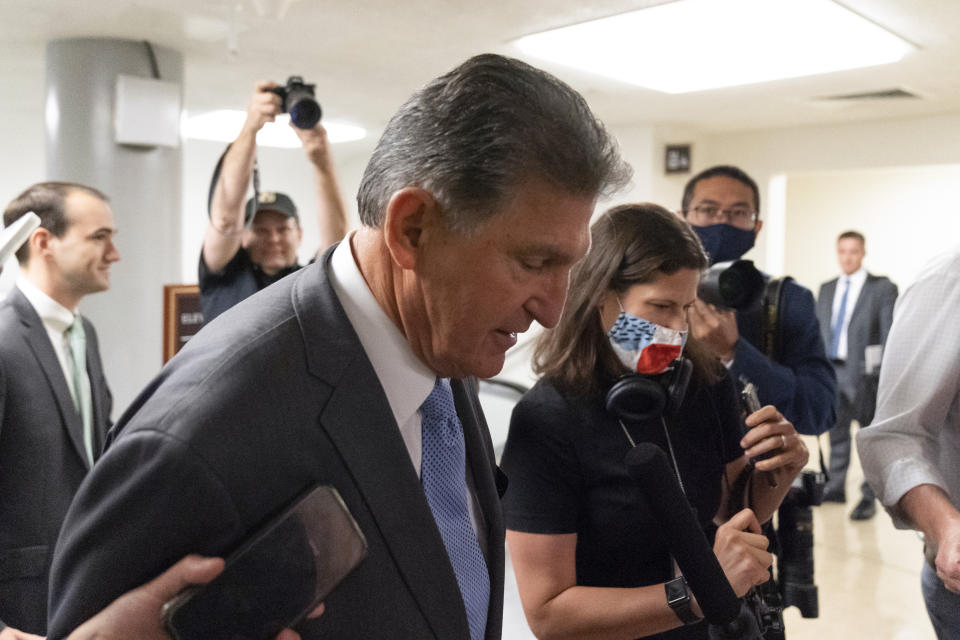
{"x":54,"y":401}
{"x":855,"y":312}
{"x":359,"y":371}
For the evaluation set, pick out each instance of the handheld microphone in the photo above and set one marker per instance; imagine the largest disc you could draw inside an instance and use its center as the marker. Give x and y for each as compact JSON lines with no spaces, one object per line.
{"x":727,"y":615}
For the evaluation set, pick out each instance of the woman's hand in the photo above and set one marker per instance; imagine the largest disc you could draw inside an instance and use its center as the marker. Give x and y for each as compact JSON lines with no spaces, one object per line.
{"x":772,"y":434}
{"x":742,"y":551}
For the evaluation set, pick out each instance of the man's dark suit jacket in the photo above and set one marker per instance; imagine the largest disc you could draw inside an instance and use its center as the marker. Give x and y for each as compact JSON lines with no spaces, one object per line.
{"x":869,"y":324}
{"x":42,"y":457}
{"x":274,"y":396}
{"x":800,"y":382}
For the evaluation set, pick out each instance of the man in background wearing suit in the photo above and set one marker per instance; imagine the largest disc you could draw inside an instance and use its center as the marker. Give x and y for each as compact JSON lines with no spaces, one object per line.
{"x":855,"y":313}
{"x":54,"y":401}
{"x":358,"y":371}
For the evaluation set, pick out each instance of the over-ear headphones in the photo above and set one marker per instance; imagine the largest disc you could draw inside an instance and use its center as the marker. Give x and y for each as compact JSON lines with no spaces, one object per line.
{"x":637,"y":397}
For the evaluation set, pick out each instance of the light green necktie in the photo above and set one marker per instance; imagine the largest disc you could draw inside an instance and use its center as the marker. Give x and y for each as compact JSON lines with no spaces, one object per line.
{"x":77,"y":340}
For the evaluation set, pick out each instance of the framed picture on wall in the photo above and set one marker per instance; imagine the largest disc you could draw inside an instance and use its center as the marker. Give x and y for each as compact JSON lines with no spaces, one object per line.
{"x":182,"y":316}
{"x":677,"y":158}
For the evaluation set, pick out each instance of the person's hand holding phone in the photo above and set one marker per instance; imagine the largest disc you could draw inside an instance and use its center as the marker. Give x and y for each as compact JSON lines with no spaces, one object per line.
{"x":773,"y":443}
{"x":277,"y":576}
{"x":137,"y":613}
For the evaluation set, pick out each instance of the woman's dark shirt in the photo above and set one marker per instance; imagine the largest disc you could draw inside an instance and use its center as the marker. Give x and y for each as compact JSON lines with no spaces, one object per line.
{"x":564,"y":460}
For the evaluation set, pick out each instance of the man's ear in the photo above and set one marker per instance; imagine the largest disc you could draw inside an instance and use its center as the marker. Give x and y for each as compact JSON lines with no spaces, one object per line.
{"x":756,"y":229}
{"x":39,"y":241}
{"x":409,"y":211}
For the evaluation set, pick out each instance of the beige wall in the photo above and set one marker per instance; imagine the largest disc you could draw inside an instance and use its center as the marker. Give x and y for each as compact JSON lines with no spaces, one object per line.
{"x":890,"y":144}
{"x":907,"y":215}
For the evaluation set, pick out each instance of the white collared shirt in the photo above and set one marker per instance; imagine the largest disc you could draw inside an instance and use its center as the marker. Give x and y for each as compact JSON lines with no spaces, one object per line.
{"x":914,"y":438}
{"x":406,"y":380}
{"x":56,"y":320}
{"x":856,"y":280}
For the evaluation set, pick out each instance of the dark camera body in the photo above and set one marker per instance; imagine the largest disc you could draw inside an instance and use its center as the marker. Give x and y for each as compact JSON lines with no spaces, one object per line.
{"x":299,"y":100}
{"x":732,"y":285}
{"x":795,"y":542}
{"x":767,"y":607}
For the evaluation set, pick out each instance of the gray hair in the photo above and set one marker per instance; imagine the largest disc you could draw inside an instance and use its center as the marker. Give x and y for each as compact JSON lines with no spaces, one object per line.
{"x":472,"y":135}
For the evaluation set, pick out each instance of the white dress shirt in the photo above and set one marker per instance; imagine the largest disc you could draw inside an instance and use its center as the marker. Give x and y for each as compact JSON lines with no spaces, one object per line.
{"x":915,"y":435}
{"x":56,"y":320}
{"x":406,"y":380}
{"x":856,"y":280}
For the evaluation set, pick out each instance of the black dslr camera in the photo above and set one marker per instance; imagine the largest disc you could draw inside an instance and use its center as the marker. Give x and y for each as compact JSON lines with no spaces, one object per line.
{"x":300,"y":102}
{"x":795,"y":543}
{"x":765,"y":604}
{"x":736,"y":284}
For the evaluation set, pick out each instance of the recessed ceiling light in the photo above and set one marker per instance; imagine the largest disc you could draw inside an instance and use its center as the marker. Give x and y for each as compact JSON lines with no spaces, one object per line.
{"x":224,"y":125}
{"x":691,"y":45}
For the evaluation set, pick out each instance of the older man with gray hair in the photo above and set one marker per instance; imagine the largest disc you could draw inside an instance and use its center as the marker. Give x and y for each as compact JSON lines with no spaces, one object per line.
{"x":359,"y":371}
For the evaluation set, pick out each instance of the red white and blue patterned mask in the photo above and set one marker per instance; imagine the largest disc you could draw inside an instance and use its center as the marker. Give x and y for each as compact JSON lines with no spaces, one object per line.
{"x":644,"y":346}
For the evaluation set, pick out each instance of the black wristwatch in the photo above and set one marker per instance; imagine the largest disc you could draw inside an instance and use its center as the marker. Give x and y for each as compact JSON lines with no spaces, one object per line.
{"x":678,"y":597}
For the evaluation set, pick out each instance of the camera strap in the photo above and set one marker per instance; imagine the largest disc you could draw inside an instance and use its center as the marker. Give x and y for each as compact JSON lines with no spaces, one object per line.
{"x":771,"y":333}
{"x":770,"y":329}
{"x":215,"y":178}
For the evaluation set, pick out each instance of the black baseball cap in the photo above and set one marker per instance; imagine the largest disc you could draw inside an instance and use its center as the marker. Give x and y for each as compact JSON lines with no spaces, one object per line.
{"x":270,"y":201}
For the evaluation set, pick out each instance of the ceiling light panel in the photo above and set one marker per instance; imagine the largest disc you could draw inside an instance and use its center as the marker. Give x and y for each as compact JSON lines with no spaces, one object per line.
{"x":224,"y":126}
{"x":692,"y":45}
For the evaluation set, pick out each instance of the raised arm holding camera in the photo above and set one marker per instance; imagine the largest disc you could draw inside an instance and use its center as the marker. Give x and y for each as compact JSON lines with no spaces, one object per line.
{"x":246,"y":248}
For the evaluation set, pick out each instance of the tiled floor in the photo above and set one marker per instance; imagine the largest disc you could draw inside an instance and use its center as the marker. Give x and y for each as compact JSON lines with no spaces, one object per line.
{"x":868,"y":574}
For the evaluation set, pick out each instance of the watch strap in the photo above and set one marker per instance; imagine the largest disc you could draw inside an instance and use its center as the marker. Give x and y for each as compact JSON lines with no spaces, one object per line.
{"x":678,"y":597}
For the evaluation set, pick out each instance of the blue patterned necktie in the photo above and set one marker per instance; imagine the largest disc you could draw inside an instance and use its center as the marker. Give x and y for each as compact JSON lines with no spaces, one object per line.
{"x":837,"y":327}
{"x":443,"y":473}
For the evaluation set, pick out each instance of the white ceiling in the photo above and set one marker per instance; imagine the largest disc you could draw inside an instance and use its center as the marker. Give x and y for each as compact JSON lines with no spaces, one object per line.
{"x":367,"y":56}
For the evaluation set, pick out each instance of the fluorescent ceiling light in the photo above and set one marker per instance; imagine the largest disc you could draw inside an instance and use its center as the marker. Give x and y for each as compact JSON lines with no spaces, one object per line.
{"x":691,"y":45}
{"x":224,"y":125}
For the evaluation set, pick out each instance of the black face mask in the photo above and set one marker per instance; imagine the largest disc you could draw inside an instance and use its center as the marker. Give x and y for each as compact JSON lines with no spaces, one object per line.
{"x":724,"y":242}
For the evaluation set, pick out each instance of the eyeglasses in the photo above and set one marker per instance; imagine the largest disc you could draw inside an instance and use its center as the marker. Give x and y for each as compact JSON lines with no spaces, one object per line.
{"x":712,"y":214}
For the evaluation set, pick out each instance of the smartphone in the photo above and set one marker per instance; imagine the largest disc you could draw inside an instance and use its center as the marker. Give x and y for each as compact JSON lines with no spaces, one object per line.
{"x":750,"y":399}
{"x":751,"y":404}
{"x":276,"y":577}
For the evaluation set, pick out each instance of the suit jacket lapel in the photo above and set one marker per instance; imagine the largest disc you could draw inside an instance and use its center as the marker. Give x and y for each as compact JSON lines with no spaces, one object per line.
{"x":98,"y":391}
{"x":360,"y":423}
{"x":481,"y":464}
{"x":831,"y":290}
{"x":865,"y":292}
{"x":36,"y":337}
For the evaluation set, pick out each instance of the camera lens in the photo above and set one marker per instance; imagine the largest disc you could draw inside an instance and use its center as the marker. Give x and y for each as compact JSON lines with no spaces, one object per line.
{"x":732,"y":285}
{"x":304,"y":112}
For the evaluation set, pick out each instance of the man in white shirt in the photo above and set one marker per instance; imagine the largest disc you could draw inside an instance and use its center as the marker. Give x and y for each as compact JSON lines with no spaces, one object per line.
{"x":911,"y":452}
{"x":54,"y":400}
{"x":855,"y":312}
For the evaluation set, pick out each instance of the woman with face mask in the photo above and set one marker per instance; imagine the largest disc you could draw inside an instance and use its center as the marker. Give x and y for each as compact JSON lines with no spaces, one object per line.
{"x":590,"y":559}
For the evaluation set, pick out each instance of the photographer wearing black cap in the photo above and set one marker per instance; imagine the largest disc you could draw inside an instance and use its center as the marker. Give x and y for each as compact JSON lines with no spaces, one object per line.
{"x":246,"y":248}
